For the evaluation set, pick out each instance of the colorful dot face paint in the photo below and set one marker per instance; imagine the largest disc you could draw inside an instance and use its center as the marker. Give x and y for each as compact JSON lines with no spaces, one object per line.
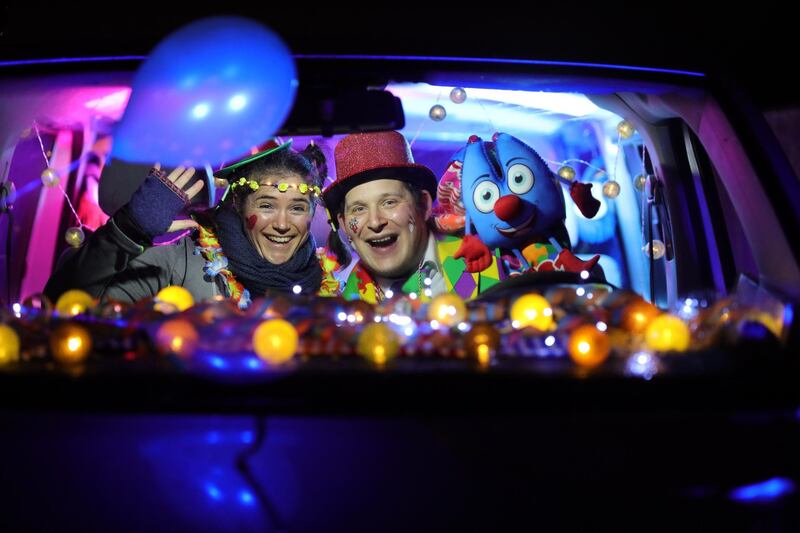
{"x":385,"y":229}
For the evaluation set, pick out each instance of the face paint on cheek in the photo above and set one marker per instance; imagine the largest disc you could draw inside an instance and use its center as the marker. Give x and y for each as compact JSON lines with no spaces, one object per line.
{"x":353,"y":225}
{"x":251,"y":221}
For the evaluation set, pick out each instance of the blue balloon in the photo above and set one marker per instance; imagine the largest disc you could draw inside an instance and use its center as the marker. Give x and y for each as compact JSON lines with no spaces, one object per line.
{"x":207,"y":94}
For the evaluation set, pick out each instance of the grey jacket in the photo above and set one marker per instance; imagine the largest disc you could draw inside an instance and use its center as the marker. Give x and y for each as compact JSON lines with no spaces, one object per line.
{"x":110,"y":264}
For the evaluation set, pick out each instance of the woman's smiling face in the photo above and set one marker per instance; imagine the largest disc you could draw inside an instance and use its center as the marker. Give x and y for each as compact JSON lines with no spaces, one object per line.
{"x":277,"y":222}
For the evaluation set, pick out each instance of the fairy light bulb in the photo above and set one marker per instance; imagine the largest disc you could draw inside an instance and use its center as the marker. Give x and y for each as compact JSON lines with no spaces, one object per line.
{"x":567,"y":172}
{"x":437,"y":113}
{"x":625,"y":129}
{"x":532,"y":310}
{"x":49,"y":177}
{"x":588,"y":346}
{"x":667,"y":333}
{"x":74,"y":302}
{"x":74,"y":236}
{"x":458,"y":95}
{"x":378,"y":343}
{"x":637,"y":315}
{"x":611,"y":189}
{"x":175,"y":295}
{"x":275,"y":341}
{"x":9,"y":345}
{"x":177,"y":336}
{"x":70,"y":344}
{"x":447,"y":309}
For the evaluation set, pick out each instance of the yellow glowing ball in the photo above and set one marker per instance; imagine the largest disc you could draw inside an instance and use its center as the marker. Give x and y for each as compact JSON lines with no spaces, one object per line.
{"x":177,"y":296}
{"x":532,"y":310}
{"x":74,"y":302}
{"x":666,"y":333}
{"x":637,"y":315}
{"x":275,"y":341}
{"x":639,"y":182}
{"x":588,"y":346}
{"x":70,"y":344}
{"x":447,"y":309}
{"x":177,"y":336}
{"x":481,"y":343}
{"x":378,"y":343}
{"x":567,"y":172}
{"x":625,"y":129}
{"x":9,"y":345}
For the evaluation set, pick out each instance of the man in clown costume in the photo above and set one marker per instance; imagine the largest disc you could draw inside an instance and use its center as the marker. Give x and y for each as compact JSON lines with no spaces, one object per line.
{"x":383,"y":202}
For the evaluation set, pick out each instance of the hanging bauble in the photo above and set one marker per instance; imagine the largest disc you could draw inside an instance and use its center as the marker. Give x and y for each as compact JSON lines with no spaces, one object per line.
{"x":567,"y":172}
{"x":49,"y":177}
{"x":625,"y":129}
{"x":639,"y":182}
{"x":611,"y":189}
{"x":74,"y":236}
{"x":658,"y":249}
{"x":458,"y":95}
{"x":437,"y":113}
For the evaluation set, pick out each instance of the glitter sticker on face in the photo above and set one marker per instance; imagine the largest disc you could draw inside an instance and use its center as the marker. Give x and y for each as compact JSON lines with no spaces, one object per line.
{"x":353,"y":224}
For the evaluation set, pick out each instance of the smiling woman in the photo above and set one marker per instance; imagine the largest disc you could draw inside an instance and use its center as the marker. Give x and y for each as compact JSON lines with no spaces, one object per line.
{"x":256,"y":240}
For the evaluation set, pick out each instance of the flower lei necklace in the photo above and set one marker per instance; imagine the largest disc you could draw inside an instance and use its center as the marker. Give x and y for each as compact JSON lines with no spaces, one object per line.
{"x":217,"y":264}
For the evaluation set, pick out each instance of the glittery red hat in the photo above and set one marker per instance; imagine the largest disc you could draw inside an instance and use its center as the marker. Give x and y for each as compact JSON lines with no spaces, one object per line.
{"x":364,"y":157}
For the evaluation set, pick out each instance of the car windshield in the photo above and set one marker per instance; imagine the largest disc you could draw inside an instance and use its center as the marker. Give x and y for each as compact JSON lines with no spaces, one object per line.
{"x":650,"y":225}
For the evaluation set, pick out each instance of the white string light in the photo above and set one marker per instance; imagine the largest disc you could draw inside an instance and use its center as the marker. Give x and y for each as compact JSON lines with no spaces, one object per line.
{"x":60,"y":188}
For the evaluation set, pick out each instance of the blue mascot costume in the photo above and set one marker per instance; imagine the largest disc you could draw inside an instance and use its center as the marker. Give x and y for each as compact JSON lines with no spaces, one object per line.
{"x":505,"y":198}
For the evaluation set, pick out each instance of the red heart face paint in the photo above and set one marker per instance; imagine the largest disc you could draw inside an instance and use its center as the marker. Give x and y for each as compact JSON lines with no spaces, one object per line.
{"x":251,"y":221}
{"x":353,"y":225}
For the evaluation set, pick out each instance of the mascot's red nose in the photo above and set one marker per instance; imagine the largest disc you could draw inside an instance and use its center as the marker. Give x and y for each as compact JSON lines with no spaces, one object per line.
{"x":507,"y":208}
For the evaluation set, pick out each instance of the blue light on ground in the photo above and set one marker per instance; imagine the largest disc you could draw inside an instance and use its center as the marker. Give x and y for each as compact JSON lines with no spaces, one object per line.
{"x":763,"y":492}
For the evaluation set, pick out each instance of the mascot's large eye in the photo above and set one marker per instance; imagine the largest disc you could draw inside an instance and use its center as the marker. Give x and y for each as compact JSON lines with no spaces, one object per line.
{"x":520,"y":179}
{"x":485,"y":195}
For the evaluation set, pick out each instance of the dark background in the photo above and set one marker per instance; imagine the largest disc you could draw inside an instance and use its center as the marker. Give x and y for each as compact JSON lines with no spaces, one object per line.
{"x":753,"y":46}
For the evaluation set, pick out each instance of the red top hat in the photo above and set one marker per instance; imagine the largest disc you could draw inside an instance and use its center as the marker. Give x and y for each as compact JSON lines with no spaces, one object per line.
{"x":364,"y":157}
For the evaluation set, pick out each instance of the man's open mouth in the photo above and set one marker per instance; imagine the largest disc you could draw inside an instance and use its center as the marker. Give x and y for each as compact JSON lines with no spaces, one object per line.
{"x":510,"y":232}
{"x":279,"y":240}
{"x":382,"y":242}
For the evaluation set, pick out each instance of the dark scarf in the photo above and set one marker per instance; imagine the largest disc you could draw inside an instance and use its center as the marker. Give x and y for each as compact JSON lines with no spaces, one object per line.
{"x":256,"y":273}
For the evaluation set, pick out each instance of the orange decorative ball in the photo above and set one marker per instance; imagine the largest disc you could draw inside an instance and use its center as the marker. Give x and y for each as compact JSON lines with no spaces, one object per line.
{"x":588,"y":346}
{"x":637,"y":315}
